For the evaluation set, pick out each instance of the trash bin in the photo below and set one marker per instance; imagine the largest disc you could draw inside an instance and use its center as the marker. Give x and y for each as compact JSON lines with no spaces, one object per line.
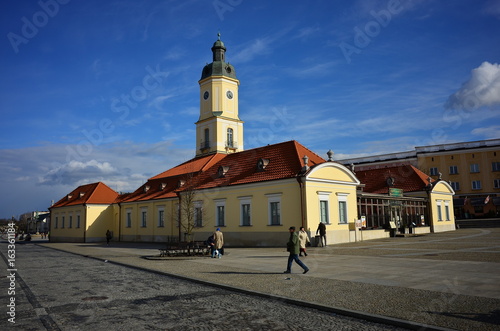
{"x":316,"y":241}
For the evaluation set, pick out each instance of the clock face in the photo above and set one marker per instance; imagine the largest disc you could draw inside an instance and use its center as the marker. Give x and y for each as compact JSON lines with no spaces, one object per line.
{"x":206,"y":95}
{"x":229,"y":94}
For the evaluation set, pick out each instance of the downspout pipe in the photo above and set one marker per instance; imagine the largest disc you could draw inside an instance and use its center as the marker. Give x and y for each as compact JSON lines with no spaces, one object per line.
{"x":301,"y":181}
{"x":85,"y":223}
{"x":179,"y":215}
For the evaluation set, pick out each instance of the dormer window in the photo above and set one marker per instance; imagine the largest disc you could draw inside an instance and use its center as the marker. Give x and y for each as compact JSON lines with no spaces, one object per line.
{"x":146,"y":188}
{"x":262,"y":164}
{"x":162,"y":186}
{"x":69,"y":196}
{"x":82,"y":194}
{"x":181,"y":183}
{"x":221,"y":172}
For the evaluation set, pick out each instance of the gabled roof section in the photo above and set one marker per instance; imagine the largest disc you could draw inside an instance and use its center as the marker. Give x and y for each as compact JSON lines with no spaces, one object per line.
{"x":95,"y":193}
{"x":406,"y":177}
{"x":285,"y":161}
{"x":192,"y":166}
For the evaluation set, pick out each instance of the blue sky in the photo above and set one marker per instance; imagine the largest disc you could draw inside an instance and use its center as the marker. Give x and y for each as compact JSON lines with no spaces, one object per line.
{"x":107,"y":90}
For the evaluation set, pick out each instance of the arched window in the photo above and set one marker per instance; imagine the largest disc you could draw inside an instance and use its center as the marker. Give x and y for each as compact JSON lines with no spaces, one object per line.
{"x":206,"y":143}
{"x":230,"y":142}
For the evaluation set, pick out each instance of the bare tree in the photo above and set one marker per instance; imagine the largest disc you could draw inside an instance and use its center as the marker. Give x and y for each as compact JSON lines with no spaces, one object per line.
{"x":191,"y":212}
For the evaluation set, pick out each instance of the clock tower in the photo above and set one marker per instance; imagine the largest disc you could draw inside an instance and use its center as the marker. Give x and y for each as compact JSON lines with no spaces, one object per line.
{"x":219,"y":129}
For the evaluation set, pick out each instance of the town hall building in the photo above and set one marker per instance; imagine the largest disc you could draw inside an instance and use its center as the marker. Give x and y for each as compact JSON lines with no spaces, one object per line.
{"x":254,"y":195}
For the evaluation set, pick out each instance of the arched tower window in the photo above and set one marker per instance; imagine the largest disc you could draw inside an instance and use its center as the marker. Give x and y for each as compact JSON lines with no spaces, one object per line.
{"x":230,"y":141}
{"x":206,"y":143}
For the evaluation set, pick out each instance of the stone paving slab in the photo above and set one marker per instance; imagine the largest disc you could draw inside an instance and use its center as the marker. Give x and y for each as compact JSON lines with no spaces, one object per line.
{"x":443,"y":289}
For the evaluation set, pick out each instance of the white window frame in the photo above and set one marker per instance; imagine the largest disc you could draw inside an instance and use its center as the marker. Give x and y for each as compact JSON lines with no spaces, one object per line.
{"x":495,"y":166}
{"x":144,"y":217}
{"x":447,"y":210}
{"x":434,"y":171}
{"x":474,"y":168}
{"x":198,"y":210}
{"x":161,"y":216}
{"x":455,"y":186}
{"x":271,"y":199}
{"x":243,"y":202}
{"x":453,"y":170}
{"x":496,"y":183}
{"x":342,"y":198}
{"x":220,"y":203}
{"x":324,"y":197}
{"x":476,"y":185}
{"x":78,"y":220}
{"x":439,"y":210}
{"x":128,"y":218}
{"x":70,"y":222}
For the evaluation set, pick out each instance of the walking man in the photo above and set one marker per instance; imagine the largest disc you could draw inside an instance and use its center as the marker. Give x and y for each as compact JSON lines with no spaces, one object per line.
{"x":293,"y":248}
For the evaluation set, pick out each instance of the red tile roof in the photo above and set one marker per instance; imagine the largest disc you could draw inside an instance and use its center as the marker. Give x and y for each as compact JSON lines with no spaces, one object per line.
{"x":95,"y":193}
{"x":285,"y":161}
{"x":406,"y":177}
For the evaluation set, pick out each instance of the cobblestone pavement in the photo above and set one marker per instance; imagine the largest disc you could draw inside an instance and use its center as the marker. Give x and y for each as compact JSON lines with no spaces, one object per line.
{"x":56,"y":290}
{"x":444,"y":280}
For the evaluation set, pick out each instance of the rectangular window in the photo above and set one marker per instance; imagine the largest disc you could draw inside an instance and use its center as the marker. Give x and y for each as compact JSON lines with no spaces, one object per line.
{"x":70,"y":225}
{"x":455,"y":186}
{"x":129,"y":218}
{"x":220,"y":212}
{"x":56,"y":223}
{"x":274,"y":209}
{"x":144,"y":218}
{"x":62,"y":222}
{"x":453,"y":170}
{"x":440,"y":214}
{"x":342,"y":212}
{"x":474,"y":168}
{"x":275,"y":213}
{"x":198,"y":219}
{"x":343,"y":217}
{"x":434,"y":171}
{"x":447,"y":210}
{"x":496,"y":183}
{"x":495,"y":166}
{"x":476,"y":184}
{"x":161,"y":217}
{"x":245,"y":215}
{"x":220,"y":215}
{"x":78,"y":221}
{"x":323,"y":206}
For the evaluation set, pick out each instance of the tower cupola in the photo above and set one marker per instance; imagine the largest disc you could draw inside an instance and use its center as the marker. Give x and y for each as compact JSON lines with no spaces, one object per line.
{"x":219,"y":128}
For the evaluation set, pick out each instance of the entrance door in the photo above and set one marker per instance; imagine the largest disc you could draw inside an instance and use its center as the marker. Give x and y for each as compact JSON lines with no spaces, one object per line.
{"x":397,"y":218}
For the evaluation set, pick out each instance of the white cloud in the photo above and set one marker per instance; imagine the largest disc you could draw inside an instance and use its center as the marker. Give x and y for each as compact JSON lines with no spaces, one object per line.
{"x":481,"y":90}
{"x":76,"y":172}
{"x":488,"y":132}
{"x":257,"y":47}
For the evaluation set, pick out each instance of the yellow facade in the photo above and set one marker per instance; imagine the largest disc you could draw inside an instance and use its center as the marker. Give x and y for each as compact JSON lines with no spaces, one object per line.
{"x":82,"y":223}
{"x":335,"y":184}
{"x":152,"y":221}
{"x":464,"y":167}
{"x":441,"y":202}
{"x":219,"y":129}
